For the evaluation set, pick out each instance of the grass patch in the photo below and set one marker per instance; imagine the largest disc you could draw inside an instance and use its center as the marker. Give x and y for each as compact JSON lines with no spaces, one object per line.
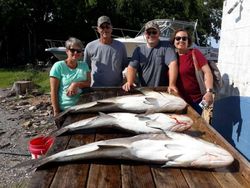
{"x":39,"y":78}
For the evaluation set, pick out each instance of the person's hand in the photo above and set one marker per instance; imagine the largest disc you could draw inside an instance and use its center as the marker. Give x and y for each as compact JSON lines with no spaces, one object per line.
{"x":208,"y":97}
{"x":172,"y":89}
{"x":127,"y":86}
{"x":72,"y":90}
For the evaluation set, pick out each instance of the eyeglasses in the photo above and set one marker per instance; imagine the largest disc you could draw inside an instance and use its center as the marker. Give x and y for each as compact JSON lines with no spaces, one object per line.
{"x":72,"y":50}
{"x":179,"y":38}
{"x":151,"y":32}
{"x":105,"y":26}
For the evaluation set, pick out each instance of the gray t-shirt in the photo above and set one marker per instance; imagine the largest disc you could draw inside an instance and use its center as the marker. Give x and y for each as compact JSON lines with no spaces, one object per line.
{"x":107,"y":62}
{"x":152,"y":63}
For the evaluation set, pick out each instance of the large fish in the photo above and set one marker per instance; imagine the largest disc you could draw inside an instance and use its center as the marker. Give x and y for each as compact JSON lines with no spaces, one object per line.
{"x":151,"y":123}
{"x":149,"y":102}
{"x":170,"y":150}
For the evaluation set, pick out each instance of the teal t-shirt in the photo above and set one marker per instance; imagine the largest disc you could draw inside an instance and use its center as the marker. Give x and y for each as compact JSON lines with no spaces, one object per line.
{"x":66,"y":76}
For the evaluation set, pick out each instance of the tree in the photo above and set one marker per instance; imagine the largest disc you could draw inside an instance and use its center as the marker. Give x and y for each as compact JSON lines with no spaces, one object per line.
{"x":26,"y":23}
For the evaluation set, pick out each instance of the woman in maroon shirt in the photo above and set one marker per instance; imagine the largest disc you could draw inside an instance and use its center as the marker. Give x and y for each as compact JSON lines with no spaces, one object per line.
{"x":187,"y":83}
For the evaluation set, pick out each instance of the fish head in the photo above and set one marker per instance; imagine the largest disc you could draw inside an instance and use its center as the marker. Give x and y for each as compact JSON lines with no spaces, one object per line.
{"x":170,"y":102}
{"x":213,"y":157}
{"x":188,"y":151}
{"x":181,"y":120}
{"x":169,"y":122}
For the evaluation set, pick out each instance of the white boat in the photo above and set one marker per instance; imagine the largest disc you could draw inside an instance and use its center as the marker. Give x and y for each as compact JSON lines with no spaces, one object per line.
{"x":57,"y":48}
{"x":167,"y":27}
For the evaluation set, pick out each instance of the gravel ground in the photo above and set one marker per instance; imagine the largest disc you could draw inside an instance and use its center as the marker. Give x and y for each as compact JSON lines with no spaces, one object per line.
{"x":14,"y":138}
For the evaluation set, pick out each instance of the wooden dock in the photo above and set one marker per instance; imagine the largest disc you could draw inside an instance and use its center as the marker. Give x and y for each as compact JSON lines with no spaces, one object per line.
{"x":127,"y":174}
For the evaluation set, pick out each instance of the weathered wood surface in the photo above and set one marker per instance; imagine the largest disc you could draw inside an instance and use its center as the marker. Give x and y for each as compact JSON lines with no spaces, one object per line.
{"x":126,"y":174}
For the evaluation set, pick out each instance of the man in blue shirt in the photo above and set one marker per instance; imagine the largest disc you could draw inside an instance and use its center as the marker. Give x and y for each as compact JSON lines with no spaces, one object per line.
{"x":155,"y":62}
{"x":106,"y":57}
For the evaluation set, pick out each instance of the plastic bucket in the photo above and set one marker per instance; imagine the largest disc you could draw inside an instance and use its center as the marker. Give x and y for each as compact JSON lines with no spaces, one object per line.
{"x":39,"y":146}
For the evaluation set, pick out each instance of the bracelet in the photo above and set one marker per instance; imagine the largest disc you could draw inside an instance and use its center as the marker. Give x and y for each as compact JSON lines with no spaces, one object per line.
{"x":209,"y":90}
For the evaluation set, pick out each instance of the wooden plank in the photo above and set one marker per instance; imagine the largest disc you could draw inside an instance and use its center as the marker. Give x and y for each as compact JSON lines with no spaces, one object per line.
{"x":168,"y":177}
{"x":231,"y":179}
{"x":200,"y":178}
{"x":75,"y":174}
{"x":104,"y":175}
{"x":136,"y":176}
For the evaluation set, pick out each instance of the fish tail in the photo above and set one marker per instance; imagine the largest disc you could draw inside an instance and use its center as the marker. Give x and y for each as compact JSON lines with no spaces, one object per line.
{"x":32,"y":164}
{"x":59,"y":132}
{"x":62,"y":114}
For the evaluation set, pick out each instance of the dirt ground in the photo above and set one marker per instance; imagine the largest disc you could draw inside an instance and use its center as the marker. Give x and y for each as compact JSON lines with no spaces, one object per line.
{"x":16,"y":130}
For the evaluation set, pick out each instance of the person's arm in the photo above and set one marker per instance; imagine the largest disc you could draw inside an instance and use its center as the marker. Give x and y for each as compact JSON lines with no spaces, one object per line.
{"x":208,"y":79}
{"x":131,"y":76}
{"x":54,"y":86}
{"x":73,"y":88}
{"x":173,"y":73}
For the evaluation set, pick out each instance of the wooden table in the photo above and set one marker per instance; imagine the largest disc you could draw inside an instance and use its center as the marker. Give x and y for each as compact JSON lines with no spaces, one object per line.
{"x":126,"y":174}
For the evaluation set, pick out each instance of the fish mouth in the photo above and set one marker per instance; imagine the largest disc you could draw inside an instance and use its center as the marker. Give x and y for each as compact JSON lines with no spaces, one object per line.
{"x":214,"y":160}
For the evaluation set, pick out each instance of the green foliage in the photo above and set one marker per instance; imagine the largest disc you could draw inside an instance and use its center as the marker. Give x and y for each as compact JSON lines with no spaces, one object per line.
{"x":59,"y":19}
{"x":39,"y":78}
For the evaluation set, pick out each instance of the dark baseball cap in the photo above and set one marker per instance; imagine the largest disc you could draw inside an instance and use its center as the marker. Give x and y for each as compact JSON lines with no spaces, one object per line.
{"x":103,"y":19}
{"x":153,"y":25}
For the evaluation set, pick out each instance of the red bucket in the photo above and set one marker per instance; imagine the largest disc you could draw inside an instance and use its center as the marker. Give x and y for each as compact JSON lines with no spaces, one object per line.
{"x":39,"y":146}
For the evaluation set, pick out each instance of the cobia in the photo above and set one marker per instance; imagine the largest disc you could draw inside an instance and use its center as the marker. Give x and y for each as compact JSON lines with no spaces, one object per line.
{"x":151,"y":123}
{"x":149,"y":102}
{"x":169,"y":150}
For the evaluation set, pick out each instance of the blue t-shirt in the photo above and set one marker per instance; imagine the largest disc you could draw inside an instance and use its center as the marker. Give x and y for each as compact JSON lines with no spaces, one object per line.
{"x":66,"y":76}
{"x":152,"y":63}
{"x":107,"y":62}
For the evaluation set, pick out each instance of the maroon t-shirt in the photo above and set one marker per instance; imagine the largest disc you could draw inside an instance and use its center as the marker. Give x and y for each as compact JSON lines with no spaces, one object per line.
{"x":187,"y":83}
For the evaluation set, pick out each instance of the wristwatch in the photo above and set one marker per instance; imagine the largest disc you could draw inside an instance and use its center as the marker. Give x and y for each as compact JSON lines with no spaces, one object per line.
{"x":209,"y":90}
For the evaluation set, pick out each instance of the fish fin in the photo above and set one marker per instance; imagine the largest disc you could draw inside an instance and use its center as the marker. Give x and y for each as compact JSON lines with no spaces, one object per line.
{"x":171,"y":164}
{"x":59,"y":132}
{"x":174,"y":157}
{"x":150,"y":111}
{"x":32,"y":164}
{"x":143,"y":90}
{"x":142,"y":117}
{"x":101,"y":114}
{"x":150,"y":101}
{"x":60,"y":115}
{"x":107,"y":146}
{"x":104,"y":102}
{"x":154,"y":125}
{"x":151,"y":125}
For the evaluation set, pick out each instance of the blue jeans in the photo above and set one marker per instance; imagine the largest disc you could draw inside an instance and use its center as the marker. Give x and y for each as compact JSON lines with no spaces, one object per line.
{"x":196,"y":107}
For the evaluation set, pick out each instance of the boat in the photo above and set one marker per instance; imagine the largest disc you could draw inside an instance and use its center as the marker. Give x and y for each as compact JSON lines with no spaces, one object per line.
{"x":57,"y":48}
{"x":167,"y":27}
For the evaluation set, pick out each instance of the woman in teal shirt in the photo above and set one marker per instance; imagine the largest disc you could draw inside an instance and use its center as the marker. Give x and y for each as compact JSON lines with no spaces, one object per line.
{"x":68,"y":77}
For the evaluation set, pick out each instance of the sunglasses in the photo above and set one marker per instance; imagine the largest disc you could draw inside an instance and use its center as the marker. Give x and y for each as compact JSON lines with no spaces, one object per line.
{"x":179,"y":38}
{"x":151,"y":32}
{"x":106,"y":26}
{"x":72,"y":50}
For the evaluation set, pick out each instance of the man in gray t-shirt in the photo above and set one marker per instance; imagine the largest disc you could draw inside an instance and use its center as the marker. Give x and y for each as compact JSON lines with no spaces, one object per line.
{"x":106,"y":57}
{"x":155,"y":62}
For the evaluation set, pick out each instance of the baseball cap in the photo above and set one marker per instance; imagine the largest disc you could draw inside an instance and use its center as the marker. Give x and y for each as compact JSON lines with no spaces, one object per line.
{"x":152,"y":24}
{"x":103,"y":19}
